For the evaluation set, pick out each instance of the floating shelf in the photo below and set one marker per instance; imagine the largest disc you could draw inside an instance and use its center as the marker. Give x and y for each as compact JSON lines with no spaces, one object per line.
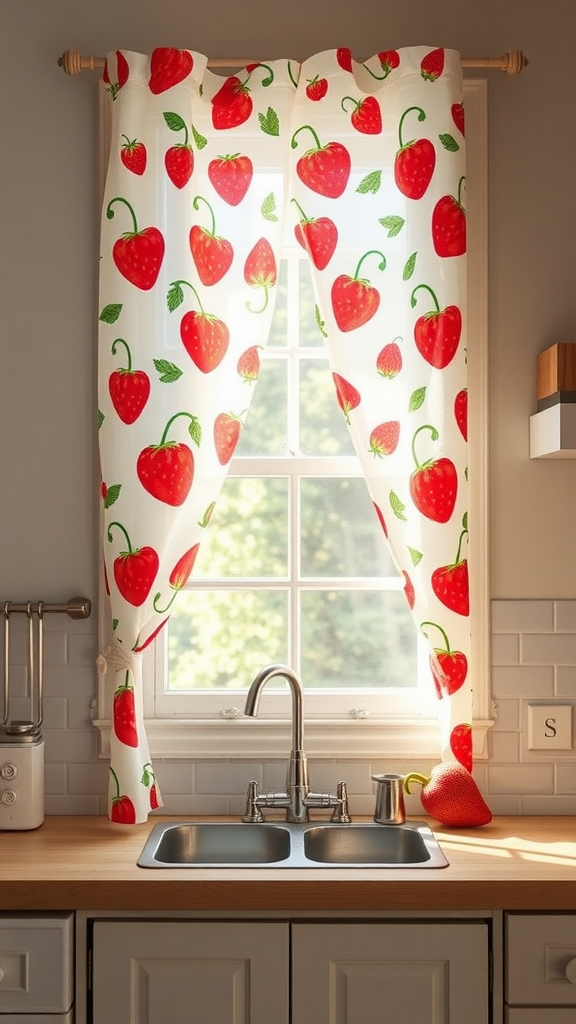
{"x":553,"y":432}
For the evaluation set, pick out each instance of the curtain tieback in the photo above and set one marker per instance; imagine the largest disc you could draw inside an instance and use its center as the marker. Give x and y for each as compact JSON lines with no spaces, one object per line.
{"x":116,"y":658}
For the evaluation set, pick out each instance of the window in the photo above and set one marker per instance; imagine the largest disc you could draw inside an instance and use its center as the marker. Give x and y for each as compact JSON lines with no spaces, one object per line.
{"x":310,"y":581}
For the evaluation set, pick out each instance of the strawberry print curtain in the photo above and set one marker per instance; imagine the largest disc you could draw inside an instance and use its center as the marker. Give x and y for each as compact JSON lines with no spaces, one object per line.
{"x":368,"y":162}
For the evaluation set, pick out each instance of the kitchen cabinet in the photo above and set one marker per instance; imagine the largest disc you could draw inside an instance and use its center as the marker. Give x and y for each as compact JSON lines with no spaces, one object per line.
{"x":540,"y":957}
{"x":212,"y":972}
{"x":36,"y":968}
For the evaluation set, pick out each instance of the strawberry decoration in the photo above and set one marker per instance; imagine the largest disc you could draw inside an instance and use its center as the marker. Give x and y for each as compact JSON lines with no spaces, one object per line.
{"x":227,"y":430}
{"x":389,"y":60}
{"x":137,"y":254}
{"x":366,"y":116}
{"x":122,"y":75}
{"x":124,"y":714}
{"x":450,"y":795}
{"x":414,"y":162}
{"x":450,"y":582}
{"x":434,"y":483}
{"x":344,"y":58}
{"x":212,"y":254}
{"x":122,"y":810}
{"x":204,"y":336}
{"x":248,"y":365}
{"x":129,"y":389}
{"x":449,"y":668}
{"x":457,"y":111}
{"x":409,"y":589}
{"x":134,"y":570}
{"x":178,"y":159}
{"x":232,"y":105}
{"x":348,"y":396}
{"x":316,"y":88}
{"x":389,"y":360}
{"x":461,"y":744}
{"x":133,"y":155}
{"x":461,"y":412}
{"x":384,"y":438}
{"x":318,"y":236}
{"x":354,"y":300}
{"x":432,"y":65}
{"x":231,"y":176}
{"x":260,"y":270}
{"x":323,"y":169}
{"x":141,"y":645}
{"x":437,"y":333}
{"x":166,"y":470}
{"x":149,"y":780}
{"x":178,"y":576}
{"x":168,"y":67}
{"x":381,"y":519}
{"x":449,"y":225}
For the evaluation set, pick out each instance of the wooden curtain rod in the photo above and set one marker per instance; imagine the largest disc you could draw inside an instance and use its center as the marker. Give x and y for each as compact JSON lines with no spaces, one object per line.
{"x":72,"y":62}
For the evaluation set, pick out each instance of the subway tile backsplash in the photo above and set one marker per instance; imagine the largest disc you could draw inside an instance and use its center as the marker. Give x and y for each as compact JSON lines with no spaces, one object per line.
{"x":533,"y":659}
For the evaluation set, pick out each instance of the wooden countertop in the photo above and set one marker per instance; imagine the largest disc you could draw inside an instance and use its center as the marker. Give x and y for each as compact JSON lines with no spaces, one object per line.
{"x":87,"y":863}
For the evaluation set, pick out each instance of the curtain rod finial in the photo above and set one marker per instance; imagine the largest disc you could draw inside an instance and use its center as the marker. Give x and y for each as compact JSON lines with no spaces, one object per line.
{"x":70,"y":62}
{"x":515,"y":62}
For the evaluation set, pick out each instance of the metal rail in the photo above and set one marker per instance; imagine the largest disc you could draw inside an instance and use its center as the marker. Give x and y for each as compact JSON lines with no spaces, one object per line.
{"x":76,"y":608}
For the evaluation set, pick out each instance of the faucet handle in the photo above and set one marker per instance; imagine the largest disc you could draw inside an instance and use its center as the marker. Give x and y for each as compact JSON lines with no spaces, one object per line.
{"x":341,"y":812}
{"x":252,"y":812}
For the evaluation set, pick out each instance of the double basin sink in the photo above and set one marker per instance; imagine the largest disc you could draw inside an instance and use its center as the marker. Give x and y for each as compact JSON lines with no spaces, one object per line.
{"x":211,"y":844}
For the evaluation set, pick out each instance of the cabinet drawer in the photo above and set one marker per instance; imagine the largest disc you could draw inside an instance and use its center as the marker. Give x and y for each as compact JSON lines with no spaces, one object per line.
{"x":539,"y":948}
{"x":36,"y":964}
{"x":538,"y":1015}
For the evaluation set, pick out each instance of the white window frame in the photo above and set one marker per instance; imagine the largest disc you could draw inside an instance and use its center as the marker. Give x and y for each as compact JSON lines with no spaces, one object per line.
{"x":391,"y":732}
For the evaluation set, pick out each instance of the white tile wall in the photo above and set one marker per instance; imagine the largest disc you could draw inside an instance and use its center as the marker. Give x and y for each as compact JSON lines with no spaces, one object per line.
{"x":533,"y":659}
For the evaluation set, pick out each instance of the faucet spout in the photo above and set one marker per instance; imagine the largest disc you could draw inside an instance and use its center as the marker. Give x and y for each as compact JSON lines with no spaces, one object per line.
{"x":253,"y":699}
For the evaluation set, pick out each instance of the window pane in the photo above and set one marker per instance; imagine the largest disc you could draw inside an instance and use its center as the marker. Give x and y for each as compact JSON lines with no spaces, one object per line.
{"x":339,"y":534}
{"x":309,"y":327}
{"x":357,"y":639}
{"x":248,"y":531}
{"x":265,"y":427}
{"x":323,"y":429}
{"x":221,"y":639}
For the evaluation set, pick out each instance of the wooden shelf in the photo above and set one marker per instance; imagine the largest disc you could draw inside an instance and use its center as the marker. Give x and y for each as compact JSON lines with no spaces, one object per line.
{"x":553,"y":432}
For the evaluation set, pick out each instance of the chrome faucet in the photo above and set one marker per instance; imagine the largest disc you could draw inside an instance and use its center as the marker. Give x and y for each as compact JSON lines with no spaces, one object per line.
{"x":297,"y":798}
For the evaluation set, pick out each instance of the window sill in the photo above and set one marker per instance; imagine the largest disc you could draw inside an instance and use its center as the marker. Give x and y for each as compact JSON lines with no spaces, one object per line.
{"x":269,"y":739}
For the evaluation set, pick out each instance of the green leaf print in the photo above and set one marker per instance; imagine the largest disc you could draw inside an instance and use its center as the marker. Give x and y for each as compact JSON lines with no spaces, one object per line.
{"x":110,"y":314}
{"x":398,"y":507}
{"x":370,"y":184}
{"x":269,"y":122}
{"x":449,"y":143}
{"x":269,"y":207}
{"x":101,"y":418}
{"x":200,"y":140}
{"x":416,"y":556}
{"x":195,"y":430}
{"x":417,"y":399}
{"x":112,"y":495}
{"x":392,"y":224}
{"x":320,"y":323}
{"x":409,"y":267}
{"x":174,"y":121}
{"x":168,"y":371}
{"x":175,"y":296}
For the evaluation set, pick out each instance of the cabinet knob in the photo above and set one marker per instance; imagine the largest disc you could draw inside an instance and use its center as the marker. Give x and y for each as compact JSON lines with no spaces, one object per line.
{"x":571,"y":970}
{"x":9,"y":797}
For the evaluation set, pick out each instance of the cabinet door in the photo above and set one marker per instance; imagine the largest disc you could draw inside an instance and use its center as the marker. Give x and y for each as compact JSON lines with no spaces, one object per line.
{"x":539,"y":951}
{"x":190,"y":972}
{"x":428,"y":973}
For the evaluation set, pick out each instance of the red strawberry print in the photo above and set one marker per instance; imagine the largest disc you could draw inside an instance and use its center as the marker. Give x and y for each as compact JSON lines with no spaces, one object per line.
{"x":260,"y":270}
{"x":133,"y":155}
{"x":434,"y":483}
{"x":366,"y":116}
{"x":122,"y":810}
{"x":458,"y":117}
{"x":129,"y":389}
{"x":166,"y":470}
{"x":381,"y":519}
{"x":231,"y":176}
{"x":204,"y":336}
{"x":354,"y":300}
{"x":178,"y":576}
{"x":137,"y":254}
{"x":148,"y":780}
{"x":318,"y":236}
{"x":408,"y":589}
{"x":122,"y":74}
{"x":437,"y":333}
{"x":449,"y":668}
{"x":389,"y":360}
{"x":461,"y":412}
{"x":449,"y":225}
{"x":450,"y":795}
{"x":134,"y":570}
{"x":248,"y":365}
{"x":344,"y":58}
{"x":389,"y":59}
{"x":178,"y":159}
{"x":432,"y":65}
{"x":323,"y":169}
{"x":232,"y":105}
{"x":348,"y":396}
{"x":212,"y":254}
{"x":461,"y":744}
{"x":227,"y":430}
{"x":384,"y":438}
{"x":316,"y":88}
{"x":142,"y":645}
{"x":124,"y":715}
{"x":168,"y":67}
{"x":414,"y":162}
{"x":450,"y":582}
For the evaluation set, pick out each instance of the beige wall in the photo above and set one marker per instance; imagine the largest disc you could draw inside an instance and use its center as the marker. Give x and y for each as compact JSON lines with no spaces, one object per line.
{"x":48,"y":239}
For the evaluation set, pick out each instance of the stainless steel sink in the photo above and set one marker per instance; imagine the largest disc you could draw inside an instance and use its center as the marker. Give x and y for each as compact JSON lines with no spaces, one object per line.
{"x":287,"y":845}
